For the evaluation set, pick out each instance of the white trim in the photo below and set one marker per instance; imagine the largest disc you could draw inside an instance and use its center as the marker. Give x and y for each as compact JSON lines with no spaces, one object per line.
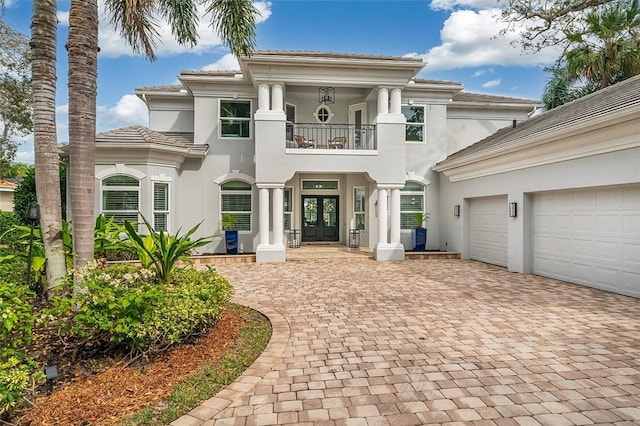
{"x":330,"y":114}
{"x":234,"y":175}
{"x":417,"y":178}
{"x":161,"y":178}
{"x":153,"y":203}
{"x":120,"y":169}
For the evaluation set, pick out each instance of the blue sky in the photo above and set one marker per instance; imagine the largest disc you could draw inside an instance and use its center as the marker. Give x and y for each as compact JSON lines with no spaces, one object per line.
{"x":458,"y":39}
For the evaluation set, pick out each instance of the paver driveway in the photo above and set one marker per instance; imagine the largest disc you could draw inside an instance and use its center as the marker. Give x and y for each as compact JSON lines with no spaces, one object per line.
{"x":433,"y":341}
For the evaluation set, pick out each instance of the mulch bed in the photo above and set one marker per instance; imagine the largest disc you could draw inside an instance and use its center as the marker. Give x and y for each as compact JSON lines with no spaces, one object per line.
{"x":108,"y":396}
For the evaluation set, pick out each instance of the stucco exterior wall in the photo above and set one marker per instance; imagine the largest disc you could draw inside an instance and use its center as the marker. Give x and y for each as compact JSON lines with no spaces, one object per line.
{"x":6,"y":201}
{"x":614,"y":168}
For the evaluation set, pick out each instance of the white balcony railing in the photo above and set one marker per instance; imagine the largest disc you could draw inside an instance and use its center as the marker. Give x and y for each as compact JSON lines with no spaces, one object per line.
{"x":331,"y":136}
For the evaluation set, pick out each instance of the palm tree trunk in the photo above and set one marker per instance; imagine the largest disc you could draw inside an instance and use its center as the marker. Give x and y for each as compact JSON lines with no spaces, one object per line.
{"x":43,"y":48}
{"x":83,"y":74}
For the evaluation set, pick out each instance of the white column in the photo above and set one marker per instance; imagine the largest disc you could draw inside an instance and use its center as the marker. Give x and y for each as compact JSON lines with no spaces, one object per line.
{"x":263,"y":207}
{"x":382,"y":216}
{"x":383,"y":100}
{"x":263,"y":97}
{"x":395,"y":216}
{"x":278,"y":216}
{"x":396,"y":101}
{"x":277,"y":98}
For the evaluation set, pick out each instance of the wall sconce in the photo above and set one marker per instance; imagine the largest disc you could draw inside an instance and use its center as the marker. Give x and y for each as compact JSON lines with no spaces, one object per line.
{"x":456,"y":210}
{"x":513,"y":209}
{"x":326,"y":95}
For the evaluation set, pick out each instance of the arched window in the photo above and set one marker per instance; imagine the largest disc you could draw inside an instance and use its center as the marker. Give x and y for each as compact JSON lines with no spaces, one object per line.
{"x":121,"y":198}
{"x":235,"y":201}
{"x":411,"y":205}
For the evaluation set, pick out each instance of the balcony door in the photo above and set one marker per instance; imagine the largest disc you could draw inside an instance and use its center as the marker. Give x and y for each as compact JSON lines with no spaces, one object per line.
{"x":357,"y":114}
{"x":320,"y":218}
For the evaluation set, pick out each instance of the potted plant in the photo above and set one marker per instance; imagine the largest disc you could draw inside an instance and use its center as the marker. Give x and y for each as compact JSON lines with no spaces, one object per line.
{"x":230,"y":233}
{"x":420,"y":232}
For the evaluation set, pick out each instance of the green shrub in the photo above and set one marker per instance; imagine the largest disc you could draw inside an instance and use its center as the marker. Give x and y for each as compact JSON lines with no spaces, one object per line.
{"x":7,"y":220}
{"x":16,"y":371}
{"x":128,"y":306}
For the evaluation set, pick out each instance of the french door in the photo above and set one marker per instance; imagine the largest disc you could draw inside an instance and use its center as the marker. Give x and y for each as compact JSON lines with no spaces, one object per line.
{"x":320,"y":218}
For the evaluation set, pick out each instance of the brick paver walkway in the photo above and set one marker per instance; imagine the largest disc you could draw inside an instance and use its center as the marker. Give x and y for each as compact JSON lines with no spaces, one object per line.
{"x":431,"y":341}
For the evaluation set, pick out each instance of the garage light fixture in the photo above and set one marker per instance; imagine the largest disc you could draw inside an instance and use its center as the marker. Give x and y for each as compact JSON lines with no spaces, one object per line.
{"x":513,"y":209}
{"x":456,"y":210}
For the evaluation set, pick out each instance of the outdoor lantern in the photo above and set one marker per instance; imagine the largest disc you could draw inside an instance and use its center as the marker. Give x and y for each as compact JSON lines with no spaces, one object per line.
{"x":327,"y":95}
{"x":456,"y":210}
{"x":33,"y":213}
{"x":513,"y":209}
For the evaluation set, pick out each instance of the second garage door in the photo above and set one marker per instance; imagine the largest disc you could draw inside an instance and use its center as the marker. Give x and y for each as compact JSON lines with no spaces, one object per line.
{"x":589,"y":237}
{"x":488,"y":230}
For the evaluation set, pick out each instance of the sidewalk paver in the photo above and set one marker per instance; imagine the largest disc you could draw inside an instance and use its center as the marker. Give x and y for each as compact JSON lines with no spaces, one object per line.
{"x":427,"y":342}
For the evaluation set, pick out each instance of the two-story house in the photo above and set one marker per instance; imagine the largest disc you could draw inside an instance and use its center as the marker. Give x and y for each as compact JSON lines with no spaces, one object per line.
{"x":315,"y":143}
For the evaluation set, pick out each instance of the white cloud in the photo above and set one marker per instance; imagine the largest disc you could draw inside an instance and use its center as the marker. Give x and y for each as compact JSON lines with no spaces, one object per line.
{"x":481,"y":72}
{"x":227,"y":62}
{"x":471,"y":39}
{"x":128,"y":111}
{"x":465,"y":4}
{"x":491,"y":83}
{"x":113,"y":45}
{"x":26,"y":157}
{"x":62,"y":109}
{"x":63,"y":18}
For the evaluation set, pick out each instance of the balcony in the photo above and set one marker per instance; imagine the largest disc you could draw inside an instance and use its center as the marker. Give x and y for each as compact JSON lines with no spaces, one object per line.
{"x":360,"y":137}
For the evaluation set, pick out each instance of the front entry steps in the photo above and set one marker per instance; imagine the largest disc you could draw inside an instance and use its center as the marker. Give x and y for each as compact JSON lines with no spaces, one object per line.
{"x":413,"y":255}
{"x":327,"y":250}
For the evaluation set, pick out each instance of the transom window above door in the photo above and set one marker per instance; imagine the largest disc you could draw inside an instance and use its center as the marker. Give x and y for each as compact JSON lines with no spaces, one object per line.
{"x":320,"y":184}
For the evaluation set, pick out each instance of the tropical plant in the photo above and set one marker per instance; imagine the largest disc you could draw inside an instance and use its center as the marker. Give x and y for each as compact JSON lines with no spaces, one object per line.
{"x":228,"y":222}
{"x":419,"y":218}
{"x":108,"y":243}
{"x":43,"y":71}
{"x":161,"y":250}
{"x":608,"y":49}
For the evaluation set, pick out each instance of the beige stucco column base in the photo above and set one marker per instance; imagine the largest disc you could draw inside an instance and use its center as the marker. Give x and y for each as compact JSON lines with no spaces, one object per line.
{"x":270,"y":253}
{"x":386,"y":252}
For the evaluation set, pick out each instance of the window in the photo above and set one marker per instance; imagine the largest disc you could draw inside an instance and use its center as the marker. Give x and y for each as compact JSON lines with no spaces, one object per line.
{"x":235,"y":118}
{"x":235,"y":200}
{"x":414,"y":131}
{"x":121,"y":198}
{"x":359,"y":202}
{"x":323,"y":114}
{"x":411,"y":204}
{"x":160,"y":206}
{"x":319,"y":184}
{"x":288,"y":208}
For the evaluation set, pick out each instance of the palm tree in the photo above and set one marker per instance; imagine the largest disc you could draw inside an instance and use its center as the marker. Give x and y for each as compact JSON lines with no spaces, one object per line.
{"x":43,"y":48}
{"x":233,"y":19}
{"x":609,"y":49}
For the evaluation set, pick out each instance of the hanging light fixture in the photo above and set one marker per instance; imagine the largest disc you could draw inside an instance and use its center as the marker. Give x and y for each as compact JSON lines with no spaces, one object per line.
{"x":327,"y":95}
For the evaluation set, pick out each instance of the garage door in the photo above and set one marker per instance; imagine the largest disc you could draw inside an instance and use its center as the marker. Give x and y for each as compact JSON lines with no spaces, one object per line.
{"x":589,"y":237}
{"x":488,"y":229}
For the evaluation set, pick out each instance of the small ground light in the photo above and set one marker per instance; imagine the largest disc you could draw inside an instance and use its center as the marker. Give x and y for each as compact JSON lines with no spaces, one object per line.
{"x":51,"y":372}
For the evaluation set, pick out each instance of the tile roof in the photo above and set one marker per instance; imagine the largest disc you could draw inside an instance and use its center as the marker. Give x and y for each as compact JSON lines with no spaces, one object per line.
{"x":175,"y":88}
{"x":482,"y":98}
{"x":308,"y":53}
{"x":141,"y":134}
{"x":7,"y":185}
{"x":581,"y":111}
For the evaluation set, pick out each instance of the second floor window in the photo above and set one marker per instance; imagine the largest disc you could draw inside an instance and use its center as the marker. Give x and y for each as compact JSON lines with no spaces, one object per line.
{"x":414,"y":114}
{"x":235,"y":119}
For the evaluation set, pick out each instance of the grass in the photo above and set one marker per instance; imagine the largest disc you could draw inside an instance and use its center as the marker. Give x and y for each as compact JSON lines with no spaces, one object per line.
{"x":207,"y":381}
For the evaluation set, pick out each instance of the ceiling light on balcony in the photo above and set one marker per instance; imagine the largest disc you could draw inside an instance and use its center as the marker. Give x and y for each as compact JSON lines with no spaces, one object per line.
{"x":327,"y":95}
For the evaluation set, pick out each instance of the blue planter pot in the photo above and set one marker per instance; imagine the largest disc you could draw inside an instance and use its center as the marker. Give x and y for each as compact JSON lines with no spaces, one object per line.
{"x":231,"y":241}
{"x":420,"y":239}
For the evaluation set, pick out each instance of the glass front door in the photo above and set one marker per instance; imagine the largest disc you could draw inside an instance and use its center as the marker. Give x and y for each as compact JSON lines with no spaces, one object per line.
{"x":320,"y":218}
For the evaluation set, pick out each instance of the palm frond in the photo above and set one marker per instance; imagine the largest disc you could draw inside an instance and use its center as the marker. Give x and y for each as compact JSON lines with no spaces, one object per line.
{"x":235,"y":22}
